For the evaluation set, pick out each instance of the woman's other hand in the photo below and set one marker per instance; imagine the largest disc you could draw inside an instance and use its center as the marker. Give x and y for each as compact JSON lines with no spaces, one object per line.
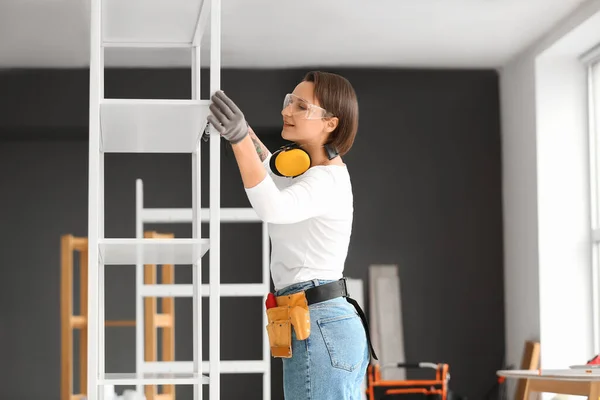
{"x":227,"y":118}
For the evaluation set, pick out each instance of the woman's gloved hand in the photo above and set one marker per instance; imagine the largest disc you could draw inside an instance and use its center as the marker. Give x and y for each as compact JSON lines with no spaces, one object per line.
{"x":227,"y":118}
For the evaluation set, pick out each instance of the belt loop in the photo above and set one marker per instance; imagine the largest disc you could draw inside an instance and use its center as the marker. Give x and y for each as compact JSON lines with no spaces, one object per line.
{"x":316,"y":282}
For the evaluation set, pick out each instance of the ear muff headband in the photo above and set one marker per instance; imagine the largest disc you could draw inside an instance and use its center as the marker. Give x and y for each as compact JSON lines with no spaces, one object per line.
{"x":290,"y":161}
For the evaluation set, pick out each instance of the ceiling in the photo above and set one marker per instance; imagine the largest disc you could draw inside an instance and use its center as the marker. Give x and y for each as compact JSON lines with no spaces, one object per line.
{"x":298,"y":33}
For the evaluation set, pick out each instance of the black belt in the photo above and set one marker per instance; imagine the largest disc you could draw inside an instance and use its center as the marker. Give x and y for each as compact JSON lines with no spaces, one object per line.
{"x":333,"y":290}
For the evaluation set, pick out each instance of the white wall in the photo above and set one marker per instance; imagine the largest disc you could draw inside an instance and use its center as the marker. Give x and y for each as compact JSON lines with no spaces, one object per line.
{"x":546,"y":200}
{"x":519,"y":187}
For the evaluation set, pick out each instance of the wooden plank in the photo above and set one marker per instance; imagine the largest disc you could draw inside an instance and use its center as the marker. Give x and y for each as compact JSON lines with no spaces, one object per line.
{"x":168,"y":332}
{"x":577,"y":388}
{"x":154,"y":320}
{"x":66,"y":312}
{"x":70,"y":244}
{"x":150,"y":313}
{"x":529,"y":361}
{"x":594,"y":392}
{"x":83,"y":310}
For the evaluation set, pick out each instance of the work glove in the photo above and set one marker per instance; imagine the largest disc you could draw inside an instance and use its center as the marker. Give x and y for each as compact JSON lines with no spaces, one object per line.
{"x":227,"y":118}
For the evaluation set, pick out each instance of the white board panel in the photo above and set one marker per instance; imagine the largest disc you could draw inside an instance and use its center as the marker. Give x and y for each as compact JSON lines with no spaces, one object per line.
{"x":388,"y":349}
{"x":389,"y":316}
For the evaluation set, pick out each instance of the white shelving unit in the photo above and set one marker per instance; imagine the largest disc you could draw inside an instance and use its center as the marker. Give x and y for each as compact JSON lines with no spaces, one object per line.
{"x":185,"y":215}
{"x":153,"y":126}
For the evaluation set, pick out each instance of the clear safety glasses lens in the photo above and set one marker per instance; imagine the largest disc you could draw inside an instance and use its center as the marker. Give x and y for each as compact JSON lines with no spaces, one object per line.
{"x":301,"y":108}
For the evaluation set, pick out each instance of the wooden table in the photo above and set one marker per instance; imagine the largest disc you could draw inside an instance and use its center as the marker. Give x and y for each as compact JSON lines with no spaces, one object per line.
{"x":577,"y":382}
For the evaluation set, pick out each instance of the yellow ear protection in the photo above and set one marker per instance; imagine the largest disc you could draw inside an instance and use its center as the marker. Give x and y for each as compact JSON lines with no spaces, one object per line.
{"x":292,"y":160}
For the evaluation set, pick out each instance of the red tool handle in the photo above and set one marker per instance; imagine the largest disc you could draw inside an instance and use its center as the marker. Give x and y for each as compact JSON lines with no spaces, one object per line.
{"x":271,"y":301}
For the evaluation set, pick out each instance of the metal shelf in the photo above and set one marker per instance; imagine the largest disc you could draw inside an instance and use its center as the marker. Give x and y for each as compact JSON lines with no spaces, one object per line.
{"x":152,"y":126}
{"x":152,"y":251}
{"x":155,"y":22}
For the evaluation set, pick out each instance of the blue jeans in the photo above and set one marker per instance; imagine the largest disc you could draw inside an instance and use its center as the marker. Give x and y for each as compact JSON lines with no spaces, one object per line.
{"x":332,"y":362}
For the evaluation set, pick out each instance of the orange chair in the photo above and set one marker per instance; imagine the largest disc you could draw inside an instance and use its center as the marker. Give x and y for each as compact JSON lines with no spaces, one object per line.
{"x":426,"y":389}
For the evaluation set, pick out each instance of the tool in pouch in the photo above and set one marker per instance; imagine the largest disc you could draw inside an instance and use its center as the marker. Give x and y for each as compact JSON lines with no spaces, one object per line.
{"x":283,"y":313}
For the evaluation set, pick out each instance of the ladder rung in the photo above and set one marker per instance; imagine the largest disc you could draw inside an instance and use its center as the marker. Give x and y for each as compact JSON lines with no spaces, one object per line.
{"x":187,"y":290}
{"x":168,"y":367}
{"x":238,"y":367}
{"x":78,"y":321}
{"x":182,"y":215}
{"x":239,"y":290}
{"x":120,"y":323}
{"x":184,"y":378}
{"x":78,"y":397}
{"x":80,"y":244}
{"x":167,"y":290}
{"x":226,"y":366}
{"x":163,"y":396}
{"x":232,"y":215}
{"x":152,"y":45}
{"x":163,"y":320}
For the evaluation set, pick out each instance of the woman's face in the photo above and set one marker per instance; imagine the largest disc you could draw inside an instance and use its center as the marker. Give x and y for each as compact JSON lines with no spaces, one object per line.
{"x":302,"y":117}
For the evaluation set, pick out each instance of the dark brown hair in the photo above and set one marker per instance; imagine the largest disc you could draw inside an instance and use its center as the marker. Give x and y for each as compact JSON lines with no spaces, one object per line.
{"x":337,"y":96}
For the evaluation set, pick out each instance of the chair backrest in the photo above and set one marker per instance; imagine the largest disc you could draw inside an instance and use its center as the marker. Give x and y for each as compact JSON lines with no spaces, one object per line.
{"x":529,"y":361}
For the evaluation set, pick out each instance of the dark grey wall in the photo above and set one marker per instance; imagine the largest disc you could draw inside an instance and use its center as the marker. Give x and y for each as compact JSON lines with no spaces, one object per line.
{"x":426,"y":176}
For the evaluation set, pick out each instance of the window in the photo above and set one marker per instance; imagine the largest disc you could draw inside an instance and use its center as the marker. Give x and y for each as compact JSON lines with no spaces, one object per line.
{"x":594,"y":125}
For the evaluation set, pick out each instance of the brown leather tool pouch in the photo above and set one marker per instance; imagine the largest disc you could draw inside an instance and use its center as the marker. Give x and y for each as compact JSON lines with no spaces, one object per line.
{"x":300,"y":318}
{"x":279,"y":330}
{"x":291,"y":311}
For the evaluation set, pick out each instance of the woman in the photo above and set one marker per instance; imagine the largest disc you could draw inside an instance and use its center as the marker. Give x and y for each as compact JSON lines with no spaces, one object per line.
{"x":310,"y":222}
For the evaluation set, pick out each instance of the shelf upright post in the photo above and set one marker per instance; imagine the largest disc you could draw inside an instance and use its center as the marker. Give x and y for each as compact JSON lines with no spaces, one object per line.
{"x":266,"y":276}
{"x":197,"y":231}
{"x":95,"y":217}
{"x":215,"y":209}
{"x":139,"y":282}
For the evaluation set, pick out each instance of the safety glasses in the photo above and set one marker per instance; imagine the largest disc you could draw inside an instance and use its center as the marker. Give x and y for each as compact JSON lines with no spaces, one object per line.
{"x":300,"y":108}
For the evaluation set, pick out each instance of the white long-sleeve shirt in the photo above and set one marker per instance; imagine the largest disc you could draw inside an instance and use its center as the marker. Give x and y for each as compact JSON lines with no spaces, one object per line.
{"x":310,"y":222}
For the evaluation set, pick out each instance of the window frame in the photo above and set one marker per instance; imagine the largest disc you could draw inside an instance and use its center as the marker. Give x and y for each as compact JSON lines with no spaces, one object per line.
{"x":592,"y":62}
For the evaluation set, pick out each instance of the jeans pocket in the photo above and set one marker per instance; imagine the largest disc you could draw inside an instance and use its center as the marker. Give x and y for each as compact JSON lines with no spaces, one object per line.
{"x":345,"y":340}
